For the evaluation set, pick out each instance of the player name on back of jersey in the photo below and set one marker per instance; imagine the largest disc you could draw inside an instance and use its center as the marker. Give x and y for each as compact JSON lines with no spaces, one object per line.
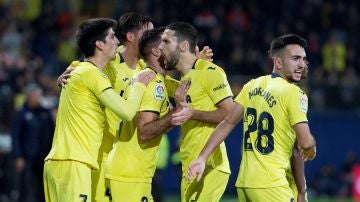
{"x":263,"y":93}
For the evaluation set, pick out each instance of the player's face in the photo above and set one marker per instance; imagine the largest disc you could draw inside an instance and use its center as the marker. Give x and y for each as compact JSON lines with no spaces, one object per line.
{"x":170,"y":49}
{"x":111,"y":43}
{"x":293,"y":62}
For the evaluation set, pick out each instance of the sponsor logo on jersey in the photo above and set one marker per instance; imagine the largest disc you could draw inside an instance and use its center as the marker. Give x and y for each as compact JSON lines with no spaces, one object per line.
{"x":219,"y":87}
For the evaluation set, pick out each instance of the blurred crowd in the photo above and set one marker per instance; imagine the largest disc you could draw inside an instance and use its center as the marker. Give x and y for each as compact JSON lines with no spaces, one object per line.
{"x":37,"y":42}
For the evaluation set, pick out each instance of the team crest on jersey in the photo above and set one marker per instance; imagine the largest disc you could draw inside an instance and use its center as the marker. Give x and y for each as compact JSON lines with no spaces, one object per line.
{"x":304,"y":103}
{"x":159,"y":92}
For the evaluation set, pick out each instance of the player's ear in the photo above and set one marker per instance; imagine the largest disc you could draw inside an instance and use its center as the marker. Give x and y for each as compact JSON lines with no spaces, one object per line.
{"x":184,"y":46}
{"x":156,"y":52}
{"x":99,"y":44}
{"x":277,"y":62}
{"x":130,"y":36}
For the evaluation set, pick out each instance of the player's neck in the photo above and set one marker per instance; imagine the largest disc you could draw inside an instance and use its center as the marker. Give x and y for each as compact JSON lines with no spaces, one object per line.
{"x":154,"y":64}
{"x":186,"y":63}
{"x":99,"y":62}
{"x":131,"y":56}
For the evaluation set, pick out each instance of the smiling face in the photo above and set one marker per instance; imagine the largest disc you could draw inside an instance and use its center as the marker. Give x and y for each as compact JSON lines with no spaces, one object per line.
{"x":291,"y":62}
{"x":170,"y":49}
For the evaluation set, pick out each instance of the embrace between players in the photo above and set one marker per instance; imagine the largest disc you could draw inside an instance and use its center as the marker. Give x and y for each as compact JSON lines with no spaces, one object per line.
{"x":114,"y":108}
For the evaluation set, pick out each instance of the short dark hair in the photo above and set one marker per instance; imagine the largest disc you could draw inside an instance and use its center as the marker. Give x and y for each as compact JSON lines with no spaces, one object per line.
{"x":130,"y":22}
{"x":282,"y":41}
{"x":91,"y":31}
{"x":150,"y":39}
{"x":185,"y":31}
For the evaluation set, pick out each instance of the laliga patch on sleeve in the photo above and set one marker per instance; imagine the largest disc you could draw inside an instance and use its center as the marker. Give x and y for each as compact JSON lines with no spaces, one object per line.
{"x":304,"y":103}
{"x":159,"y":92}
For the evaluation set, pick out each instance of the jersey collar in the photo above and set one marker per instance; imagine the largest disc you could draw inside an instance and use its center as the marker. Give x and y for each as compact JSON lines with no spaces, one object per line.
{"x":193,"y":67}
{"x":274,"y":75}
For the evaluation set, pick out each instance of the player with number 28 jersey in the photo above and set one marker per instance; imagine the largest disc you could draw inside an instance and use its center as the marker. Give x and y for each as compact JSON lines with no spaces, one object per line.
{"x":268,"y":137}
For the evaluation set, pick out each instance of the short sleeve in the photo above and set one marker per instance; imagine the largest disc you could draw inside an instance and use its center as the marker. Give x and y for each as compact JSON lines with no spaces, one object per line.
{"x":216,"y":84}
{"x":297,"y":106}
{"x":96,"y":81}
{"x":154,"y":97}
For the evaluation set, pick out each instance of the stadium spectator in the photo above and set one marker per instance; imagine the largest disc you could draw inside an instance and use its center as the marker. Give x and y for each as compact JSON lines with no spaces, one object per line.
{"x":32,"y":131}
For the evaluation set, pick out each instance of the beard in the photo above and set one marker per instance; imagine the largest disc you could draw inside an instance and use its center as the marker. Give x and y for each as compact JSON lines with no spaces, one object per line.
{"x":161,"y":61}
{"x":173,"y":60}
{"x":291,"y":79}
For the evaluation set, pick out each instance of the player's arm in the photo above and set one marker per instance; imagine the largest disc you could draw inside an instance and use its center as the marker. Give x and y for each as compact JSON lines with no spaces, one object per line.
{"x":149,"y":124}
{"x":305,"y":141}
{"x":297,"y":167}
{"x":223,"y":108}
{"x":211,"y":78}
{"x":197,"y":167}
{"x":126,"y":109}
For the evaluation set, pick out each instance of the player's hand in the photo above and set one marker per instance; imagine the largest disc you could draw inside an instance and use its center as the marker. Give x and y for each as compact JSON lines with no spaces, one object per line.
{"x":183,"y":114}
{"x":144,"y":77}
{"x":196,"y":169}
{"x":307,"y":154}
{"x":181,"y":91}
{"x":206,"y":53}
{"x":62,"y":80}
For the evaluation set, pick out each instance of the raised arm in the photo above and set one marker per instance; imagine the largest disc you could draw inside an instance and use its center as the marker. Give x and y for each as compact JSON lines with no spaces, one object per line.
{"x":126,"y":109}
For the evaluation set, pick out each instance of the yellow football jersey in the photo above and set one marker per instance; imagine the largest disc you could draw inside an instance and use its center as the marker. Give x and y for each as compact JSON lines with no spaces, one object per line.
{"x":208,"y":87}
{"x":129,"y":160}
{"x":80,"y":119}
{"x":271,"y":107}
{"x":120,"y":76}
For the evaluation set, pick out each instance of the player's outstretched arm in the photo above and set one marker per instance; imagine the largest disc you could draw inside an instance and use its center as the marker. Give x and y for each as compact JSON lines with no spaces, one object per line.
{"x":306,"y":142}
{"x":197,"y":167}
{"x":126,"y":109}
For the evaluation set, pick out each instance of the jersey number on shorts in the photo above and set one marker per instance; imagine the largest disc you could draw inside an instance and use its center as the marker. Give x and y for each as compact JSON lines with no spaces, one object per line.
{"x":84,"y":196}
{"x":264,"y":142}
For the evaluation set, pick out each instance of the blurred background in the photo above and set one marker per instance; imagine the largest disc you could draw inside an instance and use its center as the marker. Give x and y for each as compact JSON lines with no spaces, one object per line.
{"x":37,"y":44}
